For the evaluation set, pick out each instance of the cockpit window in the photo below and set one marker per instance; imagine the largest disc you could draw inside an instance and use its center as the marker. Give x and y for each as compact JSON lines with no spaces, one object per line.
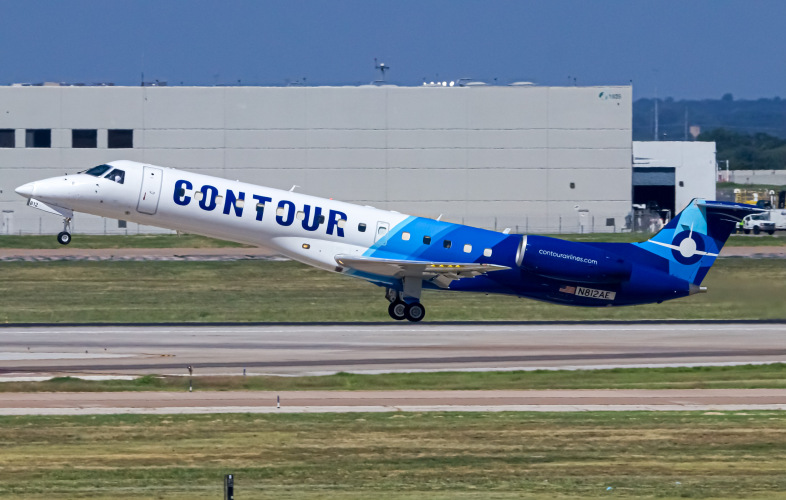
{"x":98,"y":171}
{"x":116,"y":175}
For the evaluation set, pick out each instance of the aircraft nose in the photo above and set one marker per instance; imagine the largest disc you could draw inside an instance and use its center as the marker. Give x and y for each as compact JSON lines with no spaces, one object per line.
{"x":26,"y":190}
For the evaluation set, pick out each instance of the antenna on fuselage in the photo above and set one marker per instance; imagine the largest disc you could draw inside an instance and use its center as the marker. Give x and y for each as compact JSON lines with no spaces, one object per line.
{"x":440,"y":217}
{"x":292,"y":189}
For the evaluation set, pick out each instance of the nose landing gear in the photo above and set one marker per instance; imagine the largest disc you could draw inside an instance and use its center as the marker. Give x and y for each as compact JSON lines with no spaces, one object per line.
{"x":64,"y":237}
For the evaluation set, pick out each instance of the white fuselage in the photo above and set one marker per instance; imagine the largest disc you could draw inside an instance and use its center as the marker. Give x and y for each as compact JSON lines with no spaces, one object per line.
{"x":305,"y":228}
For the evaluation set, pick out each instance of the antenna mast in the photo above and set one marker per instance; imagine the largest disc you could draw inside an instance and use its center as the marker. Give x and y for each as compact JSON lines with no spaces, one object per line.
{"x":382,"y":67}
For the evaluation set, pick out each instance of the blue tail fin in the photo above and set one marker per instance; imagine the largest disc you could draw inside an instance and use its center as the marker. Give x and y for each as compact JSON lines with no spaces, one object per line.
{"x":692,"y":240}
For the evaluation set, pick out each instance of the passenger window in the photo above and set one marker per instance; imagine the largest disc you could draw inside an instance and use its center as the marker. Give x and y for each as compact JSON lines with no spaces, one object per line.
{"x":240,"y":203}
{"x":321,"y":219}
{"x":467,"y":248}
{"x":487,"y":252}
{"x":446,"y":243}
{"x":342,"y":223}
{"x":300,"y":215}
{"x":405,"y":236}
{"x":199,"y":195}
{"x":280,"y":211}
{"x":116,"y":175}
{"x":427,"y":240}
{"x":260,"y":210}
{"x":362,"y":227}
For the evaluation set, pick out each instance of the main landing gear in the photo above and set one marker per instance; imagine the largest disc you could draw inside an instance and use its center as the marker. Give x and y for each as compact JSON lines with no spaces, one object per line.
{"x":400,"y":310}
{"x":64,"y":237}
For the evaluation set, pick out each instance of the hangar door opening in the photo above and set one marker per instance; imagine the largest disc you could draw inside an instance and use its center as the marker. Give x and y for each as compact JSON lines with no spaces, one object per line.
{"x":654,"y":187}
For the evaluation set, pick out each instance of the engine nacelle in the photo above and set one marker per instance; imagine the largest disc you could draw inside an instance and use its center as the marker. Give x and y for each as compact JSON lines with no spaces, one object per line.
{"x":571,"y":261}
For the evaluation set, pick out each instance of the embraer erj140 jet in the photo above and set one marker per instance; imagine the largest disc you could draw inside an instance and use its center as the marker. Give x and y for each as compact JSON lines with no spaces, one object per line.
{"x":402,"y":253}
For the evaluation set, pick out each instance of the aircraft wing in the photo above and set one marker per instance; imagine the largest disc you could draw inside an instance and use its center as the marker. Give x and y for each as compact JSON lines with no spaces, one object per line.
{"x":440,"y":273}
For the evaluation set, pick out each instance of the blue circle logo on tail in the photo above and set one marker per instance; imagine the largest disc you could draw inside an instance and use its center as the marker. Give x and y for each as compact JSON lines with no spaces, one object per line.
{"x":689,"y":247}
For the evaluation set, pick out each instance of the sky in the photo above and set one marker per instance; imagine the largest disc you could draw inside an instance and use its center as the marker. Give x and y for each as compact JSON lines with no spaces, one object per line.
{"x":686,"y":49}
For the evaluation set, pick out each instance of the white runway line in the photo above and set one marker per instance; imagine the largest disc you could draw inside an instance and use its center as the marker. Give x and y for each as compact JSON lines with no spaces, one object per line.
{"x":37,"y":356}
{"x":44,"y":378}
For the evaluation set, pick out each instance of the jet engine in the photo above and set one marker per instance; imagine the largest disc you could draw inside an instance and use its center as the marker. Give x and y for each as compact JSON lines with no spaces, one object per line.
{"x":571,"y":261}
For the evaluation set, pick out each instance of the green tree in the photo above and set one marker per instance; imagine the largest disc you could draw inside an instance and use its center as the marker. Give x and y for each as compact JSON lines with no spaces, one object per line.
{"x":758,"y":151}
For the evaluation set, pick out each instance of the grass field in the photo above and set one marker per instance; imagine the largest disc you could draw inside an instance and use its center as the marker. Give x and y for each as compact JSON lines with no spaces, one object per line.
{"x":194,"y":241}
{"x":397,"y":456}
{"x":770,"y":376}
{"x":739,"y":288}
{"x":117,"y":241}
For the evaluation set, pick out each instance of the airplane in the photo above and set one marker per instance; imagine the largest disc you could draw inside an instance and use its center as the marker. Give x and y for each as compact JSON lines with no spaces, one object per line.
{"x":402,"y":253}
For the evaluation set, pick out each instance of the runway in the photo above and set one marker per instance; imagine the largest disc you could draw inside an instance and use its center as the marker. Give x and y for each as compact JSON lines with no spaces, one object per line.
{"x":388,"y":401}
{"x":384,"y":347}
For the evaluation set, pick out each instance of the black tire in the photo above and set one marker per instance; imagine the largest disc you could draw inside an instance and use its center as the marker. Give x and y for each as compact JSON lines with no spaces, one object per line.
{"x":771,"y":232}
{"x":747,"y":231}
{"x":756,"y":229}
{"x":415,"y":312}
{"x":64,"y":238}
{"x":397,"y":310}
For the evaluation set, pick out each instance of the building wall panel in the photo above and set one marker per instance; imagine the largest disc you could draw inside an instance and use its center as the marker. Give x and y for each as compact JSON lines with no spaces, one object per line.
{"x":265,"y":108}
{"x":507,"y":108}
{"x":485,"y":155}
{"x":183,"y":107}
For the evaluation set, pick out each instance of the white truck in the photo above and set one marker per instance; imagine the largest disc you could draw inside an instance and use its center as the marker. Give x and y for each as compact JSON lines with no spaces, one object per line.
{"x":765,"y":222}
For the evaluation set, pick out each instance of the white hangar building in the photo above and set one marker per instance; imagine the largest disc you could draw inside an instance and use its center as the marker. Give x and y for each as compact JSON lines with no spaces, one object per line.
{"x":535,"y":159}
{"x":670,"y":174}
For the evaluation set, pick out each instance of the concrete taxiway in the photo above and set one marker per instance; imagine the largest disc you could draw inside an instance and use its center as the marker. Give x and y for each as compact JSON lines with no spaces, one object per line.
{"x":384,"y":347}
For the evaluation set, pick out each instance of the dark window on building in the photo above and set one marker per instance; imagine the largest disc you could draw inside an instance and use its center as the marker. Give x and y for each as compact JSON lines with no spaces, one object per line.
{"x":38,"y":138}
{"x":121,"y":224}
{"x":84,"y":138}
{"x":446,"y":243}
{"x":120,"y":138}
{"x":362,"y":227}
{"x":682,"y":184}
{"x":573,"y":185}
{"x":427,"y":240}
{"x":609,"y":221}
{"x":7,"y":138}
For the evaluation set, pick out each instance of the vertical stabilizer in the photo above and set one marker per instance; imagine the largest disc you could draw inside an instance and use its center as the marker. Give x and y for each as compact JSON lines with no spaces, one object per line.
{"x":692,"y":240}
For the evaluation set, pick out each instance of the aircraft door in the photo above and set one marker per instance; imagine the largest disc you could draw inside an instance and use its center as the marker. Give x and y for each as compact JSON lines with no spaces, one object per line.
{"x":382,"y":230}
{"x":151,"y":191}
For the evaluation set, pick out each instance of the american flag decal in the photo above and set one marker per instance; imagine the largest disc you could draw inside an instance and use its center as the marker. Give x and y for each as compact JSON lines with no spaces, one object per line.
{"x":568,"y":289}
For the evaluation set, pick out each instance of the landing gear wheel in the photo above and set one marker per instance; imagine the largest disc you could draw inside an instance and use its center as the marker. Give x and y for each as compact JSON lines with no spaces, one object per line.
{"x":397,"y":310}
{"x":64,"y":238}
{"x":414,"y":312}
